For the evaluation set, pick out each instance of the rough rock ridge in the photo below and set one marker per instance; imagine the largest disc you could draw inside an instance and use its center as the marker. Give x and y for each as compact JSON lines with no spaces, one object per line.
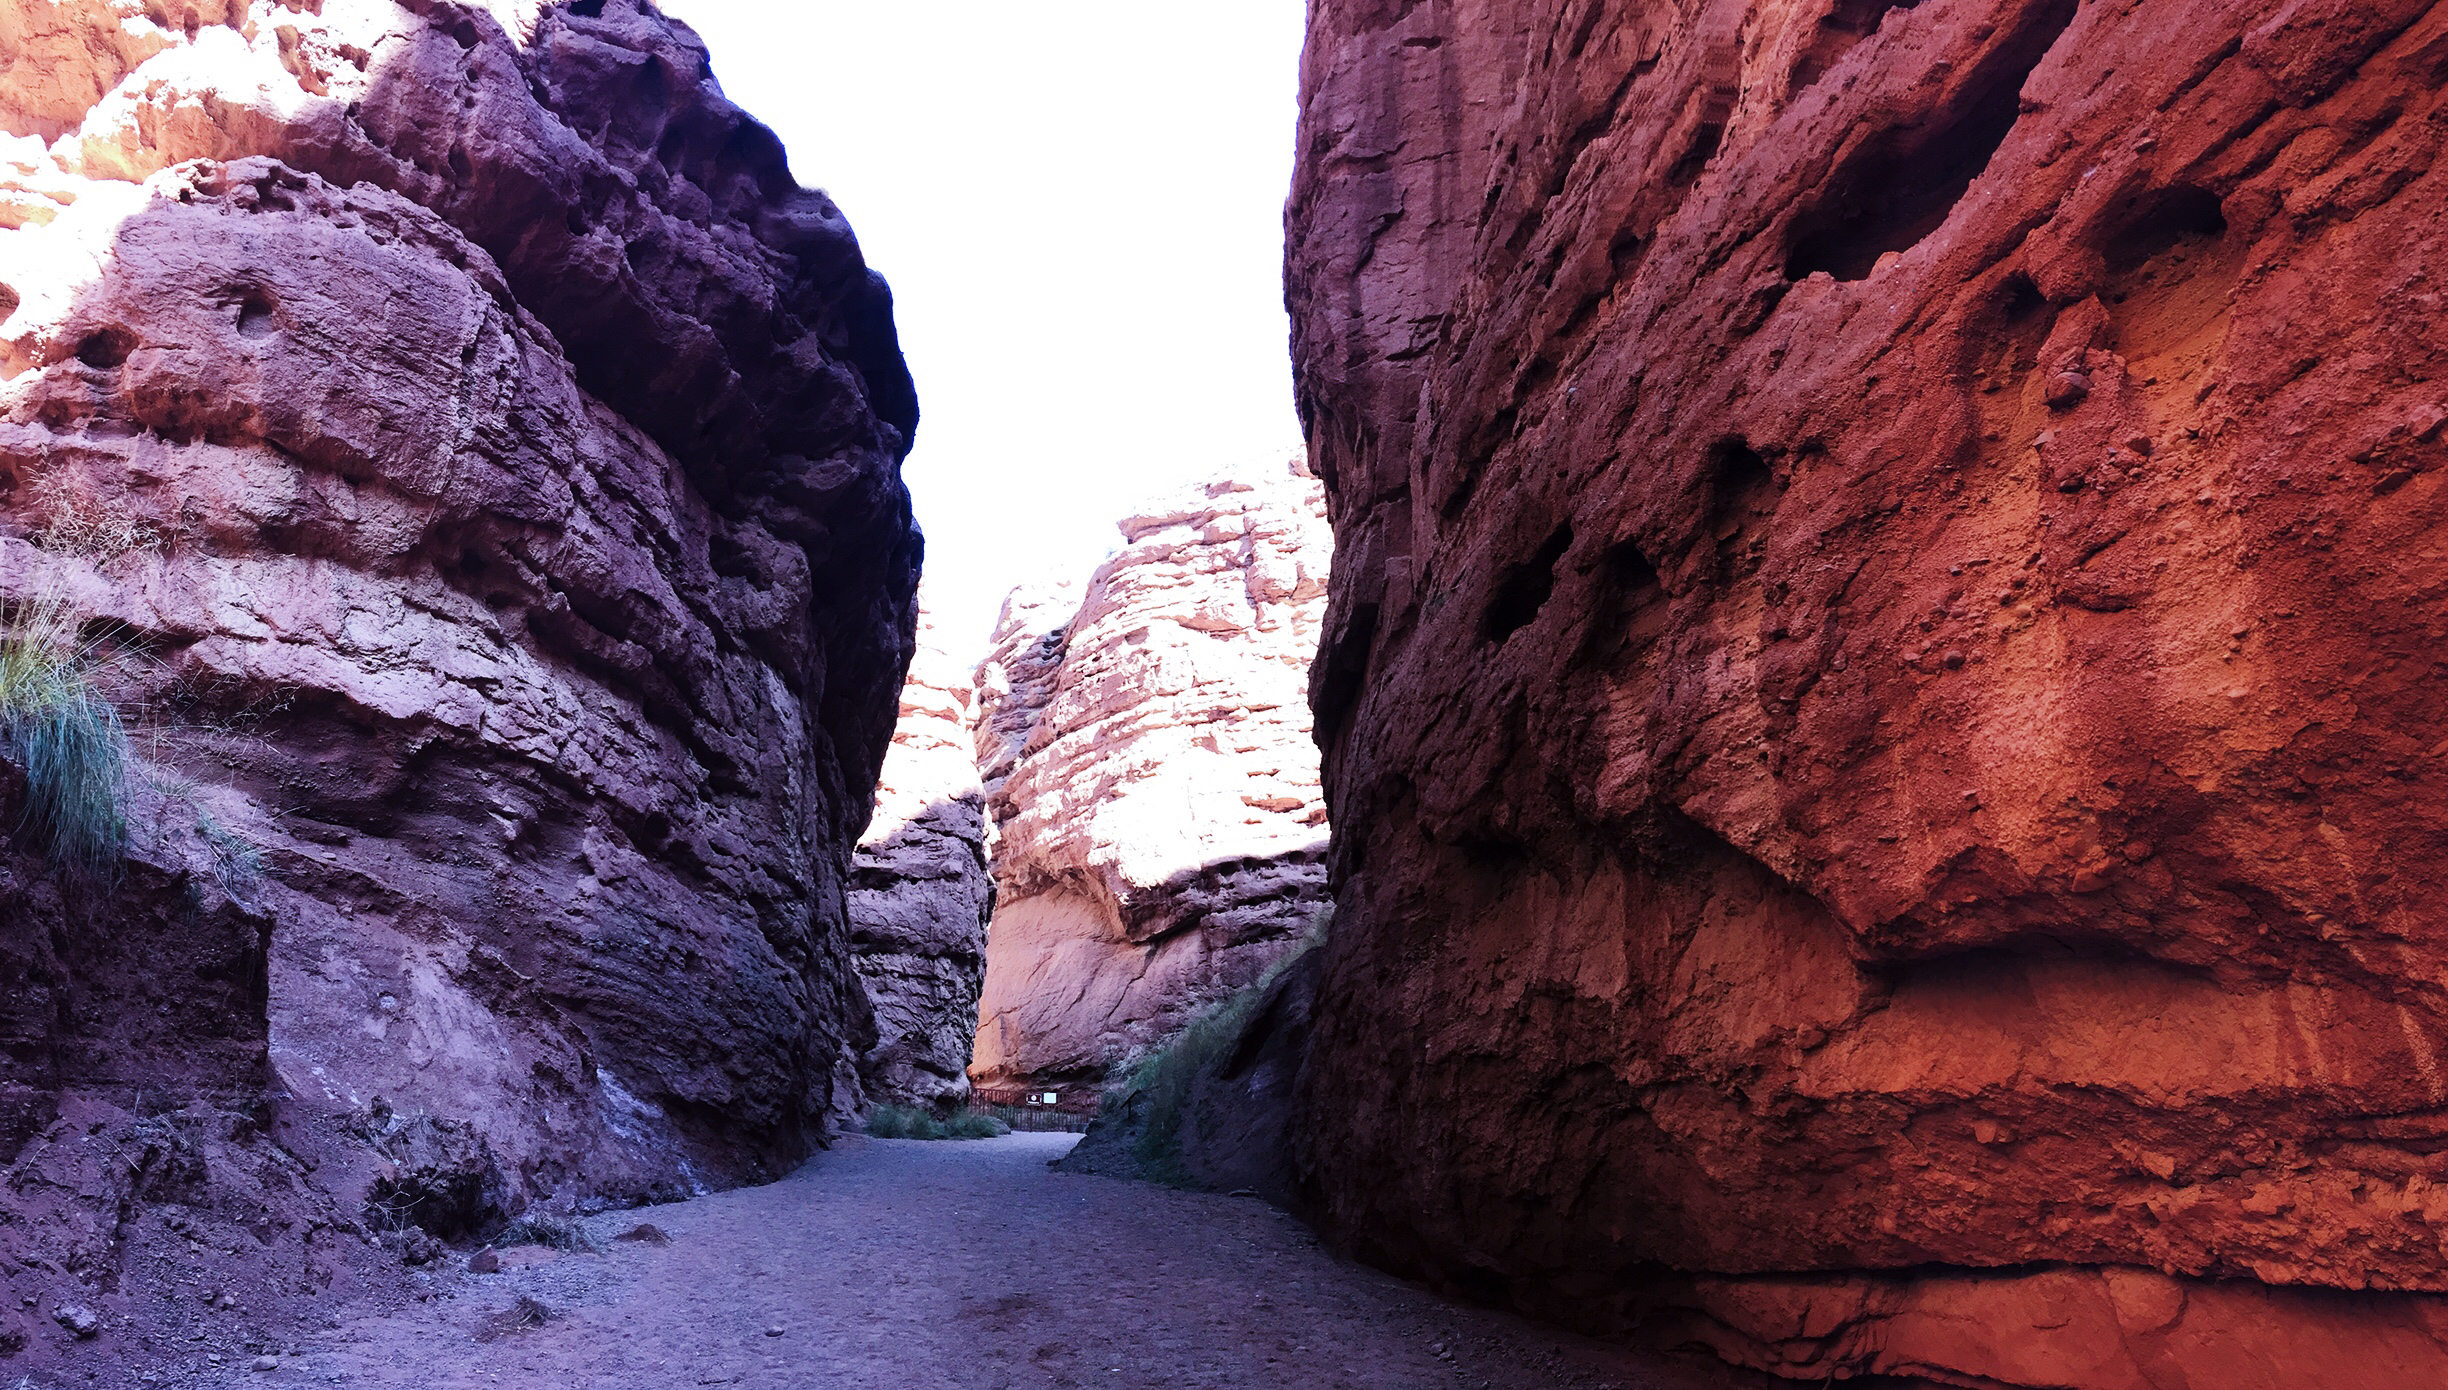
{"x":1880,"y":689}
{"x":920,"y":892}
{"x":1159,"y":832}
{"x":483,"y":456}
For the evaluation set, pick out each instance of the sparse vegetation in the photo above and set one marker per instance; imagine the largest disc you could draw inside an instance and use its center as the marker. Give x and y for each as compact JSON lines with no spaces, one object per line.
{"x":1159,"y":1087}
{"x":234,"y":863}
{"x":237,"y":864}
{"x":553,"y":1232}
{"x":95,"y":530}
{"x":66,"y":736}
{"x":908,"y":1122}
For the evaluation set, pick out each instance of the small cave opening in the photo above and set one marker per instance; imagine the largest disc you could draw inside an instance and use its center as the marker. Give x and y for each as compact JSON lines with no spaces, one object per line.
{"x":1716,"y":110}
{"x":1705,"y":142}
{"x":1846,"y":24}
{"x":2171,"y":266}
{"x":1737,"y":474}
{"x":1346,"y":662}
{"x":255,"y":316}
{"x":1629,"y":616}
{"x":1628,"y":570}
{"x":106,"y":349}
{"x":2161,"y":222}
{"x":1899,"y":186}
{"x":2018,"y":299}
{"x":1524,"y":588}
{"x":1743,"y":494}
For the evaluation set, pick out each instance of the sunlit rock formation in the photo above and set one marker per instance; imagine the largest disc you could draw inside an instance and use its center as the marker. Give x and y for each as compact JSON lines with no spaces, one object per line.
{"x":1880,"y":696}
{"x":919,"y":891}
{"x":1159,"y":837}
{"x":482,"y":456}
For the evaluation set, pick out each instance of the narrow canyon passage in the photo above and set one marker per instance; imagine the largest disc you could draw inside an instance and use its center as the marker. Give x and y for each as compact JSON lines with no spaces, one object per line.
{"x":958,"y":1264}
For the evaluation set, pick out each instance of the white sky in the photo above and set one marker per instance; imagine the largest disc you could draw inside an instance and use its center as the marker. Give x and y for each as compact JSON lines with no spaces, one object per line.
{"x":1079,"y":204}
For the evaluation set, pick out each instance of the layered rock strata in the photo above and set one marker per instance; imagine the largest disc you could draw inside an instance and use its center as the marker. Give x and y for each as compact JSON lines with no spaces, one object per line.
{"x":483,"y":458}
{"x":1159,"y":833}
{"x":920,"y":893}
{"x":1878,"y":689}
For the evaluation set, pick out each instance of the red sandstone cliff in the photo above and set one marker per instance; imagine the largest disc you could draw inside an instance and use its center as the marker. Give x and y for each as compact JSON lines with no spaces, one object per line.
{"x":483,"y":458}
{"x":920,"y":892}
{"x":1879,"y":693}
{"x":1152,"y":782}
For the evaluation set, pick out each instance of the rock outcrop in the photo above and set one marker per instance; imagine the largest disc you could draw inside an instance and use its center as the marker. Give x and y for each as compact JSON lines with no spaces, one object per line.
{"x":920,"y":893}
{"x":1159,"y":834}
{"x":481,"y":458}
{"x":1879,"y":695}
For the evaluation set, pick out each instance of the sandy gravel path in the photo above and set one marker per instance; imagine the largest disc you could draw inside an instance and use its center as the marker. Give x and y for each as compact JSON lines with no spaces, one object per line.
{"x":893,"y":1263}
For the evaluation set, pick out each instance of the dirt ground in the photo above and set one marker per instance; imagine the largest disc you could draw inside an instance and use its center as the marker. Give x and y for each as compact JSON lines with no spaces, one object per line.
{"x":891,"y":1263}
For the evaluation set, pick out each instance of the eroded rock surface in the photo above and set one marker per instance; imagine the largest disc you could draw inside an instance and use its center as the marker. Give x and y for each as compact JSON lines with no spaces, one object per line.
{"x":1159,"y":835}
{"x":484,"y":457}
{"x":1879,"y":688}
{"x":920,"y":893}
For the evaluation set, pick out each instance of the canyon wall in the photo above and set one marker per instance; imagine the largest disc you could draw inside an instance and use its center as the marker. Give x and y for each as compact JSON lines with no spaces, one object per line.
{"x":479,"y":459}
{"x":1879,"y":693}
{"x":920,"y":893}
{"x":1159,"y":834}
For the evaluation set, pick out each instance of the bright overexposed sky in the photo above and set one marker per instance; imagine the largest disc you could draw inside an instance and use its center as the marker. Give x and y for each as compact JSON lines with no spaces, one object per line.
{"x":1079,"y":204}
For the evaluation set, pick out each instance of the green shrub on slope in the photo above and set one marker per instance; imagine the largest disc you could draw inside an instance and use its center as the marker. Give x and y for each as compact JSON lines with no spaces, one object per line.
{"x":906,"y":1122}
{"x":65,"y":736}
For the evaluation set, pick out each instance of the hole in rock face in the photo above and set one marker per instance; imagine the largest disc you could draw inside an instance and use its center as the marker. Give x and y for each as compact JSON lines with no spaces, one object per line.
{"x":1738,"y":473}
{"x":1346,"y":661}
{"x":1524,"y":588}
{"x":587,"y":9}
{"x":1695,"y":159}
{"x":1629,"y":570}
{"x":732,"y":560}
{"x":105,"y":349}
{"x":1623,"y":253}
{"x":255,"y":317}
{"x":2160,"y":223}
{"x":1845,"y":24}
{"x":2171,"y":268}
{"x":2019,"y":298}
{"x":1743,"y":496}
{"x":1897,"y":187}
{"x":1630,"y":616}
{"x":2006,"y":332}
{"x":1716,"y":109}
